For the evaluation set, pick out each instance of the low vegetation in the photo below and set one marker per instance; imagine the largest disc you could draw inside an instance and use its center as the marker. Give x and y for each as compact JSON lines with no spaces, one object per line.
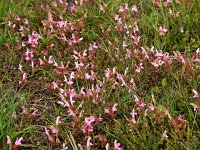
{"x":99,"y":74}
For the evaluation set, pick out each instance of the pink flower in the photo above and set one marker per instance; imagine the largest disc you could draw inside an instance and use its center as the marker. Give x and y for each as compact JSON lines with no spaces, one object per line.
{"x":139,"y":68}
{"x":24,"y":76}
{"x":162,"y":30}
{"x":72,"y":8}
{"x":46,"y":131}
{"x":136,"y":98}
{"x":114,"y":108}
{"x":33,"y":39}
{"x":14,"y":115}
{"x":89,"y":120}
{"x":58,"y":120}
{"x":135,"y":28}
{"x":28,"y":55}
{"x":107,"y":73}
{"x":53,"y":129}
{"x":26,"y":22}
{"x":71,"y":112}
{"x":116,"y":17}
{"x":136,"y":39}
{"x":41,"y":62}
{"x":116,"y":145}
{"x":195,"y":93}
{"x":101,"y":8}
{"x":50,"y":60}
{"x":82,"y":91}
{"x":55,"y":85}
{"x":8,"y":140}
{"x":194,"y":107}
{"x":121,"y":9}
{"x":170,"y":11}
{"x":87,"y":128}
{"x":107,"y":146}
{"x":18,"y":141}
{"x":128,"y":54}
{"x":151,"y":107}
{"x":165,"y":136}
{"x":133,"y":114}
{"x":89,"y":143}
{"x":134,"y":9}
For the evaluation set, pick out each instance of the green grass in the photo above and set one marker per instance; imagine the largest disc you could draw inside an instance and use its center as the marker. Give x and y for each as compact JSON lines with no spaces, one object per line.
{"x":168,"y":87}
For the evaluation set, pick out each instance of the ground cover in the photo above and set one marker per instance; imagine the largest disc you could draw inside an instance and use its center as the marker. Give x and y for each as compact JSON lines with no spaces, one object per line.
{"x":99,"y":74}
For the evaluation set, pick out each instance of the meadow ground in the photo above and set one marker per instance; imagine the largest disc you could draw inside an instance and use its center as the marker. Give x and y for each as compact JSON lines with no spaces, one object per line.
{"x":99,"y":74}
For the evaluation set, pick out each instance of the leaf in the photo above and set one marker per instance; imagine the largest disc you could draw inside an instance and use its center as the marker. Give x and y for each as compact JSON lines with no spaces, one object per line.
{"x":156,"y":90}
{"x":164,"y":82}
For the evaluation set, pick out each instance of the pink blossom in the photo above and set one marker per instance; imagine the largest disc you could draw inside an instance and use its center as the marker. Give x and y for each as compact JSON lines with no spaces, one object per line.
{"x":55,"y":85}
{"x":107,"y":146}
{"x":157,"y":62}
{"x":46,"y":131}
{"x":71,"y":112}
{"x":136,"y":39}
{"x":162,"y":30}
{"x":194,"y":107}
{"x":72,"y":94}
{"x":134,"y":9}
{"x":69,"y":82}
{"x":107,"y":73}
{"x":26,"y":22}
{"x":41,"y":62}
{"x":139,"y":68}
{"x":135,"y":28}
{"x":170,"y":11}
{"x":133,"y":114}
{"x":28,"y":55}
{"x":151,"y":107}
{"x":72,"y":8}
{"x":97,"y":90}
{"x":101,"y":8}
{"x":114,"y":108}
{"x":116,"y":145}
{"x":87,"y":128}
{"x":116,"y":17}
{"x":14,"y":115}
{"x":24,"y":76}
{"x":33,"y":39}
{"x":165,"y":136}
{"x":195,"y":93}
{"x":53,"y":129}
{"x":23,"y":44}
{"x":121,"y":78}
{"x":89,"y":143}
{"x":128,"y":54}
{"x":121,"y":9}
{"x":136,"y":98}
{"x":177,"y":14}
{"x":58,"y":120}
{"x":18,"y":141}
{"x":89,"y":120}
{"x":8,"y":140}
{"x":50,"y":60}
